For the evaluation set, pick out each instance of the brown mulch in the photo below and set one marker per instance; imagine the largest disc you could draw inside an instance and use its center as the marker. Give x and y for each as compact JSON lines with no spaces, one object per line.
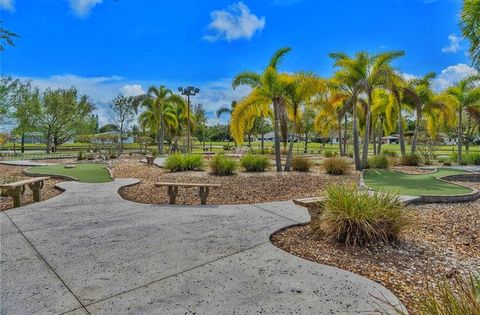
{"x":242,"y":188}
{"x":444,"y":240}
{"x":10,"y":173}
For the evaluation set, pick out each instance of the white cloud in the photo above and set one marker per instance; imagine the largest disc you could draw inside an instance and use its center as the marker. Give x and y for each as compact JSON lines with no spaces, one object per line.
{"x":8,"y":5}
{"x":408,"y":76}
{"x":233,"y":23}
{"x":454,"y":44}
{"x":451,"y":75}
{"x":82,"y":7}
{"x":132,"y":90}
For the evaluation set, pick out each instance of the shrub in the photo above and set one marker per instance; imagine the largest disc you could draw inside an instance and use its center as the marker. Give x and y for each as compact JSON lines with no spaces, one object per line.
{"x":410,"y":160}
{"x":329,"y":153}
{"x":462,"y":297}
{"x":222,"y":165}
{"x":81,"y":156}
{"x":90,"y":156}
{"x":390,"y":153}
{"x":254,"y":163}
{"x":354,"y":217}
{"x":472,"y":158}
{"x":336,"y":166}
{"x":188,"y":162}
{"x":301,"y":164}
{"x":154,"y":152}
{"x":378,"y":161}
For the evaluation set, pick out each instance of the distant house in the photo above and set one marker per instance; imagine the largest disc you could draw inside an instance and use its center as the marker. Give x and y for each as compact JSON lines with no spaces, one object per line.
{"x":126,"y":138}
{"x":270,"y":137}
{"x":392,"y":139}
{"x":449,"y":140}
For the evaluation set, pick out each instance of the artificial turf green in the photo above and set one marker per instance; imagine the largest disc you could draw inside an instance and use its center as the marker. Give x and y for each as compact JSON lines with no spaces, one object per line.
{"x":414,"y":185}
{"x":85,"y":173}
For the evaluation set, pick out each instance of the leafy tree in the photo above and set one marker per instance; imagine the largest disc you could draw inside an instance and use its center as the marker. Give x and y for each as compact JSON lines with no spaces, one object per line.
{"x":25,"y":108}
{"x":200,"y":117}
{"x":108,"y":128}
{"x":123,"y":110}
{"x":6,"y":38}
{"x":60,"y":115}
{"x":160,"y":112}
{"x":467,"y":95}
{"x":470,"y":25}
{"x":267,"y":89}
{"x":9,"y":94}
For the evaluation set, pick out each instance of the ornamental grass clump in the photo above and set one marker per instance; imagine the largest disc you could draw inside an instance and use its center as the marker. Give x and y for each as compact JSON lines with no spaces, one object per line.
{"x":357,"y":218}
{"x":180,"y":162}
{"x":336,"y":166}
{"x":301,"y":164}
{"x":461,"y":297}
{"x":254,"y":163}
{"x":222,"y":165}
{"x":410,"y":160}
{"x":378,"y":162}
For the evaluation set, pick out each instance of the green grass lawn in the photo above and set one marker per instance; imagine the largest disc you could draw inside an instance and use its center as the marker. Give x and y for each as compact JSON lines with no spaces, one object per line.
{"x":413,"y":185}
{"x":85,"y":173}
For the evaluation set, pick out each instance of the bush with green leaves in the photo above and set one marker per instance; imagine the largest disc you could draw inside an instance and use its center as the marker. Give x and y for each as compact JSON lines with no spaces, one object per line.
{"x":472,"y":158}
{"x":184,"y":162}
{"x":357,"y":217}
{"x":329,"y":153}
{"x":154,"y":152}
{"x":378,"y":161}
{"x":81,"y":156}
{"x":254,"y":163}
{"x":410,"y":160}
{"x":390,"y":153}
{"x":459,"y":297}
{"x":222,"y":165}
{"x":301,"y":164}
{"x":336,"y":166}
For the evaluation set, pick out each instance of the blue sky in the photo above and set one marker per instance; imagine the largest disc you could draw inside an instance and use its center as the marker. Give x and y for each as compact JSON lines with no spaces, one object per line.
{"x":105,"y":47}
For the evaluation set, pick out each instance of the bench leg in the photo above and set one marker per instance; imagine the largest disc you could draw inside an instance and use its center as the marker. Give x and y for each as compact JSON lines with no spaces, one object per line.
{"x":172,"y":193}
{"x":37,"y":191}
{"x":16,"y":194}
{"x":203,"y":195}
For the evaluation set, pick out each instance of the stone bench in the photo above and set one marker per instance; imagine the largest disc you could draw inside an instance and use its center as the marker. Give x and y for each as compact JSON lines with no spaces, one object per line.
{"x":314,"y":205}
{"x":16,"y":189}
{"x":204,"y":189}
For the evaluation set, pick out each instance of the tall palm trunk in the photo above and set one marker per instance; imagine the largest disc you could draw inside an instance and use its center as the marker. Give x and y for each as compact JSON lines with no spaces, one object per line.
{"x":23,"y":142}
{"x":459,"y":136}
{"x":276,"y":132}
{"x":162,"y":136}
{"x":263,"y":143}
{"x":401,"y":136}
{"x":356,"y":143}
{"x":367,"y":134}
{"x":288,"y":163}
{"x":345,"y":132}
{"x":342,"y":153}
{"x":415,"y":134}
{"x":380,"y":136}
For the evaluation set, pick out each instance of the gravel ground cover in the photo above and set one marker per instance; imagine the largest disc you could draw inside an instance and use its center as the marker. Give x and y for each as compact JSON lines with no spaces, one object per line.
{"x":444,"y":240}
{"x":242,"y":188}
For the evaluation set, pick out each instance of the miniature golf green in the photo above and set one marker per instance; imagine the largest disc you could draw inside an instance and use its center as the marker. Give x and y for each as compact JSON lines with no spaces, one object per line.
{"x":84,"y":173}
{"x":414,"y":185}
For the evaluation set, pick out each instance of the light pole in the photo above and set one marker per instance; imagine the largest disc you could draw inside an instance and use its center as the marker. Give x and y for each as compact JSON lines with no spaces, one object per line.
{"x":188,"y":91}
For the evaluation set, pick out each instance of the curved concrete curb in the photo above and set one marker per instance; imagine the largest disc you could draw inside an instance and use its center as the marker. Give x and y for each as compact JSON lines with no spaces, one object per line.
{"x":472,"y":196}
{"x":109,"y":255}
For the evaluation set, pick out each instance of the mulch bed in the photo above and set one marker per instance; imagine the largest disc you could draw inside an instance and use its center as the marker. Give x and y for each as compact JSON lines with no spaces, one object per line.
{"x":444,"y":240}
{"x":14,"y":173}
{"x":242,"y":188}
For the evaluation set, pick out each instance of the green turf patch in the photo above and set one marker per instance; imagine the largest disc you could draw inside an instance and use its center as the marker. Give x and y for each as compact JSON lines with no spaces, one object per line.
{"x":414,"y":185}
{"x":85,"y":173}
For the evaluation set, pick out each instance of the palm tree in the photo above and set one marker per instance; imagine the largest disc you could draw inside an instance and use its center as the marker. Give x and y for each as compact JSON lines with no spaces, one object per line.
{"x":470,"y":25}
{"x":467,"y":95}
{"x":419,"y":96}
{"x":226,"y":110}
{"x":160,"y":103}
{"x":299,"y":88}
{"x":267,"y":89}
{"x":384,"y":112}
{"x":396,"y":84}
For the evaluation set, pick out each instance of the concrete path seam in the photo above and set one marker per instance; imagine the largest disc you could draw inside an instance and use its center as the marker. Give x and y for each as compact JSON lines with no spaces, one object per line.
{"x":278,"y":215}
{"x":48,"y":265}
{"x":178,"y":273}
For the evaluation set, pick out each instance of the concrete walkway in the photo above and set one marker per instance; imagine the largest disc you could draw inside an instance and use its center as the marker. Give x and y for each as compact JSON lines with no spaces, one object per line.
{"x":89,"y":251}
{"x":159,"y":161}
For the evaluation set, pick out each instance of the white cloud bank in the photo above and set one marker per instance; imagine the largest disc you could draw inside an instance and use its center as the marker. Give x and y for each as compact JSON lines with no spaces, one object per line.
{"x":451,"y":75}
{"x":235,"y":22}
{"x":83,"y":7}
{"x":454,"y":44}
{"x":8,"y":5}
{"x":132,"y":90}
